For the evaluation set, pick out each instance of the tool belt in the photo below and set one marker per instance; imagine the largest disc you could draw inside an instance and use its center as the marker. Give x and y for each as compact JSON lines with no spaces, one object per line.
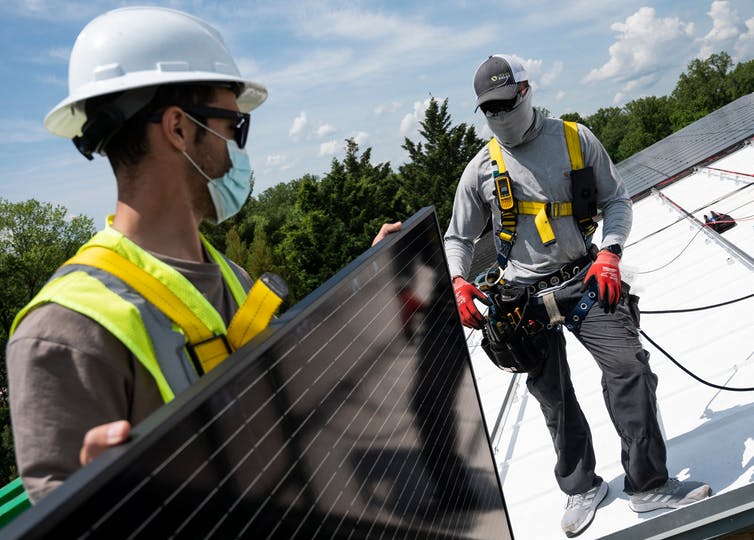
{"x":513,"y":341}
{"x":566,"y":272}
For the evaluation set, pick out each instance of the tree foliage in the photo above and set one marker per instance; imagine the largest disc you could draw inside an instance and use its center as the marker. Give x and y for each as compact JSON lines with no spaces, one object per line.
{"x":337,"y":216}
{"x":705,"y":86}
{"x":35,"y":238}
{"x":648,"y":121}
{"x":435,"y":165}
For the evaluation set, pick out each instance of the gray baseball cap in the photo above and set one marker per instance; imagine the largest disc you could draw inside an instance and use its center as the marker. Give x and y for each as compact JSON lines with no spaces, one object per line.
{"x":497,"y":78}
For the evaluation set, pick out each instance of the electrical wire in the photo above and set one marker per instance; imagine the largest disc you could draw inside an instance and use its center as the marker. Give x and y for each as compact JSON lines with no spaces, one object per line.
{"x":745,"y":218}
{"x":692,"y":375}
{"x":671,"y":261}
{"x":701,"y":308}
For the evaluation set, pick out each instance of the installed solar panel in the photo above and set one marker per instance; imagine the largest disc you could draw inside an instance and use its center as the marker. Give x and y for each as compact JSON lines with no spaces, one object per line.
{"x":690,"y":146}
{"x":357,"y":416}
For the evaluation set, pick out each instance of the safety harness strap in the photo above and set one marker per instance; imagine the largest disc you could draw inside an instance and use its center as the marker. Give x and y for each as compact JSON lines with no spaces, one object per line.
{"x":505,"y":202}
{"x":571,"y":129}
{"x":205,"y":348}
{"x":542,"y":212}
{"x":574,"y":145}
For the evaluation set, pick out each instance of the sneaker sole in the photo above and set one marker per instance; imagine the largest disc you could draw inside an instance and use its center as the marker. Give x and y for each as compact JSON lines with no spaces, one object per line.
{"x":599,"y":498}
{"x":648,"y":506}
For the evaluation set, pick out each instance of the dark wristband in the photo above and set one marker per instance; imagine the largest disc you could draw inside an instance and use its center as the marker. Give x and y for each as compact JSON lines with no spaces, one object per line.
{"x":615,"y":249}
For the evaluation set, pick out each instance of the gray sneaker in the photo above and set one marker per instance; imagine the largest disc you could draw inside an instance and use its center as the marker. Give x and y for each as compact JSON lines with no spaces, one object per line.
{"x":580,"y":509}
{"x":672,"y":494}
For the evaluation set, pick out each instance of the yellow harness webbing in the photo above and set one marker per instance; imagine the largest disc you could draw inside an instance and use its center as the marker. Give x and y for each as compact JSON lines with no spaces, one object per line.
{"x":541,"y":211}
{"x":574,"y":145}
{"x":206,"y":348}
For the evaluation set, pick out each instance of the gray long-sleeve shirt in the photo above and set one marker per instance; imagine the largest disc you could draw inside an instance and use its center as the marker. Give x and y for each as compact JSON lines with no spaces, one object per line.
{"x":539,"y":171}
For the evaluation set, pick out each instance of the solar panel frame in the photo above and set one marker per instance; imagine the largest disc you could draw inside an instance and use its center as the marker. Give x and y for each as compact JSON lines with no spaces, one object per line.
{"x":355,"y":363}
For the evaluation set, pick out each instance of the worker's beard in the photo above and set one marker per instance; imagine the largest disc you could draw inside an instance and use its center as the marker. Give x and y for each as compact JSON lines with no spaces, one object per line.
{"x":513,"y":128}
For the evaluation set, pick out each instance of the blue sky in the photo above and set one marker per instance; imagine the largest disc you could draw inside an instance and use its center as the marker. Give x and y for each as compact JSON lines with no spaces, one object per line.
{"x":359,"y":69}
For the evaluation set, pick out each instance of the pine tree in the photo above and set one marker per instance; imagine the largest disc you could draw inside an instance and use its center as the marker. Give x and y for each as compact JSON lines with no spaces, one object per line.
{"x":436,"y":164}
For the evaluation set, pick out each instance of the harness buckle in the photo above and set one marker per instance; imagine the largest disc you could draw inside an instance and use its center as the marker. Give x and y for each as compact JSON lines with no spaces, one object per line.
{"x":207,"y":354}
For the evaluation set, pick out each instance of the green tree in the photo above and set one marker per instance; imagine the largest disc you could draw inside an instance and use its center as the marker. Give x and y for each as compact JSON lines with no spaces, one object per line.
{"x":648,"y":121}
{"x":436,"y":164}
{"x":35,"y":238}
{"x":703,"y":88}
{"x":335,"y":218}
{"x":741,"y":79}
{"x":609,"y":126}
{"x":575,"y":117}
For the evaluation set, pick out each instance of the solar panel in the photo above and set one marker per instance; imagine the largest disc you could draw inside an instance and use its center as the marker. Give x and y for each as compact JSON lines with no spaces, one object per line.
{"x":356,"y":416}
{"x":690,"y":146}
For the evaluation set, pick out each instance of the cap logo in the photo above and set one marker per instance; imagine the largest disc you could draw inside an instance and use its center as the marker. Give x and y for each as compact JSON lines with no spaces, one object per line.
{"x":501,"y":78}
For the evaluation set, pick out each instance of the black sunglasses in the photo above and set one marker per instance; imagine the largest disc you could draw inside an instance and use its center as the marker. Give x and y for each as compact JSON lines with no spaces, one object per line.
{"x":240,"y":129}
{"x":494,"y":108}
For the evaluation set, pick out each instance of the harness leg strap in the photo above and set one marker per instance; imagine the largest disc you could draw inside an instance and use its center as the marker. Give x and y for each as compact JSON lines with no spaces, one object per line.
{"x":552,"y":308}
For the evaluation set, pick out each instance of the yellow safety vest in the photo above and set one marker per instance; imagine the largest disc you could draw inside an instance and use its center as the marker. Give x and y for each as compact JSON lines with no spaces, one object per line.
{"x":164,"y":321}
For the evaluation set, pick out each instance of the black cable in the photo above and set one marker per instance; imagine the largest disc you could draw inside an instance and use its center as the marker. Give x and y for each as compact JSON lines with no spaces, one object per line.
{"x":745,"y":218}
{"x":674,"y":258}
{"x":702,"y":308}
{"x":689,"y":373}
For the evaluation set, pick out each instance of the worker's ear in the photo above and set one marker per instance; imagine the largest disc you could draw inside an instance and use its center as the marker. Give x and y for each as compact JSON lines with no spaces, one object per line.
{"x":177,"y":128}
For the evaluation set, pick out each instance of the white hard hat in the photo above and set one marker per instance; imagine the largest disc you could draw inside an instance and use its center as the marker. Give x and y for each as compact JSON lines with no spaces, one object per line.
{"x":137,"y":47}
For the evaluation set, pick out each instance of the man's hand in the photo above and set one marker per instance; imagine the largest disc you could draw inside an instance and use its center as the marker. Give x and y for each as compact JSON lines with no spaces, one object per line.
{"x":606,"y":274}
{"x":100,"y":438}
{"x":387,"y":228}
{"x":465,"y":294}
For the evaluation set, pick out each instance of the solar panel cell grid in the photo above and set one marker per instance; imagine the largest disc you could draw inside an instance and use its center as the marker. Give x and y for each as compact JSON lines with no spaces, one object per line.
{"x":357,"y":418}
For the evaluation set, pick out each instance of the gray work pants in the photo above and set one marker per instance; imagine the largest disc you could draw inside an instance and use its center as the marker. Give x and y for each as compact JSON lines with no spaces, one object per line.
{"x":628,"y":387}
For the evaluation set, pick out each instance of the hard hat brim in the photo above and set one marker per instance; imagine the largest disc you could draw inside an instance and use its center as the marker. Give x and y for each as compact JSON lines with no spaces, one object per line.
{"x":68,"y":117}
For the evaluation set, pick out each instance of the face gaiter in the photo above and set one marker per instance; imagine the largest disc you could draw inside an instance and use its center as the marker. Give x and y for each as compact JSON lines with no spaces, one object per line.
{"x":511,"y":128}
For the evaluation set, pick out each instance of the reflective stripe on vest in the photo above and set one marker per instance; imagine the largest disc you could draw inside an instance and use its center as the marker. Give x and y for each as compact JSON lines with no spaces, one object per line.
{"x":138,"y":324}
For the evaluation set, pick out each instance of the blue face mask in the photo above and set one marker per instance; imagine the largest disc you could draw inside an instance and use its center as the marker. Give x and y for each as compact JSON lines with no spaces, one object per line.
{"x":230,"y":191}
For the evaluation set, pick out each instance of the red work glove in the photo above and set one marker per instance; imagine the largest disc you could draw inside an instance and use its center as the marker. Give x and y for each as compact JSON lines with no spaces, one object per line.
{"x":606,"y":274}
{"x":465,"y":294}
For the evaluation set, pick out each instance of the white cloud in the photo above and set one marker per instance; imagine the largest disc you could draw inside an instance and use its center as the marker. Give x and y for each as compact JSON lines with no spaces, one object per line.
{"x":744,"y":48}
{"x":275,"y":160}
{"x":22,"y":131}
{"x":645,"y":46}
{"x":324,"y":130}
{"x":60,"y":53}
{"x":316,"y":68}
{"x":52,"y":80}
{"x":552,"y":75}
{"x":279,"y":162}
{"x":630,"y":86}
{"x":560,"y":95}
{"x":360,"y":137}
{"x":410,"y":121}
{"x":393,"y":106}
{"x":726,"y":26}
{"x":247,"y":66}
{"x":298,"y":126}
{"x":54,"y":55}
{"x":369,"y":42}
{"x":329,"y":148}
{"x":642,"y":44}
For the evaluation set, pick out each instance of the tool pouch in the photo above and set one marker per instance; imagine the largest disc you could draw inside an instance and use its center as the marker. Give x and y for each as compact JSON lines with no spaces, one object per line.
{"x":513,"y":341}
